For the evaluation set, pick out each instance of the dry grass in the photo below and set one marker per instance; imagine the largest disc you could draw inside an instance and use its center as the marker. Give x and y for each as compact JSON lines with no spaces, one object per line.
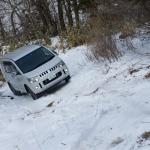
{"x":147,"y":76}
{"x":128,"y":29}
{"x":1,"y":76}
{"x":146,"y":135}
{"x":74,"y":36}
{"x":107,"y":21}
{"x":100,"y":36}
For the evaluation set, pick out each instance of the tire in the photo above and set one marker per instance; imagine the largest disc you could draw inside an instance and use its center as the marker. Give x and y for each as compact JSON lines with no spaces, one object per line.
{"x":67,"y":79}
{"x":15,"y":92}
{"x":32,"y":94}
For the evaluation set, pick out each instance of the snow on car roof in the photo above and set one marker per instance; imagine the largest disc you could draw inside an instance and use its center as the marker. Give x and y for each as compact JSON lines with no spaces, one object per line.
{"x":20,"y":52}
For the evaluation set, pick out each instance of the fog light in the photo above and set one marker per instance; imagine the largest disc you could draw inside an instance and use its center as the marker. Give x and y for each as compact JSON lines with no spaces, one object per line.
{"x":66,"y":70}
{"x":37,"y":87}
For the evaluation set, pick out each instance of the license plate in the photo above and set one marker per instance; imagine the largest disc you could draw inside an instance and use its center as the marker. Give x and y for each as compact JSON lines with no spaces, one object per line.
{"x":53,"y":76}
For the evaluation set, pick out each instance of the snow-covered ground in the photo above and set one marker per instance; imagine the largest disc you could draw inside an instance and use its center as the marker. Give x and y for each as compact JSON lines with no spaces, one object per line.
{"x":104,"y":107}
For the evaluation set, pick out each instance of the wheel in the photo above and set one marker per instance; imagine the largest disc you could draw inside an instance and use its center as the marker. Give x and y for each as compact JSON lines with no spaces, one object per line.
{"x":67,"y":79}
{"x":32,"y":94}
{"x":15,"y":92}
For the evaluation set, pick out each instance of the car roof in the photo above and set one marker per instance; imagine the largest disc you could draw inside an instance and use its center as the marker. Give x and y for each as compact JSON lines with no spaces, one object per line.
{"x":20,"y":52}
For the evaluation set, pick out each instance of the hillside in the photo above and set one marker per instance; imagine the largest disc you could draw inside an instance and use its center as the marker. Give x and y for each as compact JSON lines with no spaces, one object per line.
{"x":103,"y":107}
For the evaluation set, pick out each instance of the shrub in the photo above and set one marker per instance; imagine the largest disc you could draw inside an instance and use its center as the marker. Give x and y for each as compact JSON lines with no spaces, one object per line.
{"x":101,"y":38}
{"x":104,"y":48}
{"x":128,"y":29}
{"x":74,"y":36}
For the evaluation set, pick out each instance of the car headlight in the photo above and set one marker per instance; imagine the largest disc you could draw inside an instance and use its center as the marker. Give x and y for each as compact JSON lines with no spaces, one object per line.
{"x":33,"y":79}
{"x":61,"y":64}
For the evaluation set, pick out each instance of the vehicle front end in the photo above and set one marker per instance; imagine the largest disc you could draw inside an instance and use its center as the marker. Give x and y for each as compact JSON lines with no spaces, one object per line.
{"x":48,"y":78}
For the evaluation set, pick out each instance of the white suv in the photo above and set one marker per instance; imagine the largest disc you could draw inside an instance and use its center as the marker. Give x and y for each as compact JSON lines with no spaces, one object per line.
{"x":33,"y":69}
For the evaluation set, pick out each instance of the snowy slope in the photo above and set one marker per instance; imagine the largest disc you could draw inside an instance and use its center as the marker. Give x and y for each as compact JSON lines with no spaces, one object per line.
{"x":104,"y":107}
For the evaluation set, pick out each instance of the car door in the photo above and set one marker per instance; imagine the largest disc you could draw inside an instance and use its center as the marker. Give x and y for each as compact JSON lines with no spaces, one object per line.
{"x":13,"y":75}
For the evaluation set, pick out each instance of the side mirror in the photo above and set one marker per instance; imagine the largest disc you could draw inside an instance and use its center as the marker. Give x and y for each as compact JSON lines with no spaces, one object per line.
{"x":53,"y":50}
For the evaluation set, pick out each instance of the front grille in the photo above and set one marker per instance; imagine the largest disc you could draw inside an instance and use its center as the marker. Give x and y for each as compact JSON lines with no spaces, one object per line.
{"x":47,"y":71}
{"x":43,"y":73}
{"x":47,"y":81}
{"x":53,"y":68}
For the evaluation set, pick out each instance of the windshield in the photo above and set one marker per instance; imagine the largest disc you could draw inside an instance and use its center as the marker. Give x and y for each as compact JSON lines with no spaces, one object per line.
{"x":34,"y":59}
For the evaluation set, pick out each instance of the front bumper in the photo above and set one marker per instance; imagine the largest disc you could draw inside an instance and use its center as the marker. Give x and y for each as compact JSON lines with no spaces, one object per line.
{"x":50,"y":80}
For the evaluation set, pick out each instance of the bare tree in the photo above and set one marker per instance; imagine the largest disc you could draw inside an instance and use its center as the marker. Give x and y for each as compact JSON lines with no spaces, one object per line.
{"x":2,"y":31}
{"x":76,"y":11}
{"x":61,"y":15}
{"x":67,"y":5}
{"x":49,"y":24}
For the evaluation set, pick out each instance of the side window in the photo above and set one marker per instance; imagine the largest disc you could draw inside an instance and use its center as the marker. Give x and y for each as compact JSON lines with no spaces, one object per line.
{"x":9,"y":67}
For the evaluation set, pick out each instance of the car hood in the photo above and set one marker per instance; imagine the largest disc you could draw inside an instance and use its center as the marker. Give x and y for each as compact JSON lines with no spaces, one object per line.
{"x":48,"y":65}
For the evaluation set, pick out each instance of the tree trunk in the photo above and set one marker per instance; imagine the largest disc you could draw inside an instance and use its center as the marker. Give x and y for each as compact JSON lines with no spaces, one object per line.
{"x":49,"y":24}
{"x":76,"y":11}
{"x":61,"y":16}
{"x":68,"y":12}
{"x":13,"y":24}
{"x":2,"y":31}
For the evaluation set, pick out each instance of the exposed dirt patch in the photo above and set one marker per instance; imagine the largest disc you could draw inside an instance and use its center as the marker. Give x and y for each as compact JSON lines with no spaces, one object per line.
{"x":50,"y":104}
{"x":147,"y":76}
{"x":144,"y":138}
{"x":132,"y":71}
{"x":146,"y":135}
